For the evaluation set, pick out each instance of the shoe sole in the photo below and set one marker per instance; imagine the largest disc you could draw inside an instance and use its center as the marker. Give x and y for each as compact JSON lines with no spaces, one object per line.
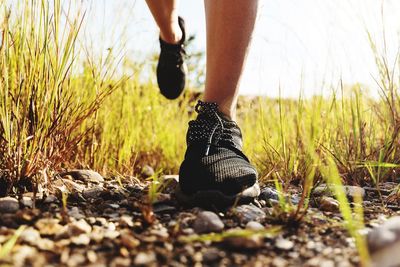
{"x":217,"y":199}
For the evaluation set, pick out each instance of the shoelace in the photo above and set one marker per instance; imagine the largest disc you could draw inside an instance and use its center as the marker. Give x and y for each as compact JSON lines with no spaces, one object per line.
{"x":209,"y":126}
{"x":177,"y":54}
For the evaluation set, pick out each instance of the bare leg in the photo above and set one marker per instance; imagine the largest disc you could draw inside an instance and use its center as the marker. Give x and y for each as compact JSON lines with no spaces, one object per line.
{"x":230,"y":24}
{"x":165,"y":14}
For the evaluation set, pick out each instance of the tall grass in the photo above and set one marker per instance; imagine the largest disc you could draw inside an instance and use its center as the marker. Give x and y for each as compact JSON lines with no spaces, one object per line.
{"x":41,"y":113}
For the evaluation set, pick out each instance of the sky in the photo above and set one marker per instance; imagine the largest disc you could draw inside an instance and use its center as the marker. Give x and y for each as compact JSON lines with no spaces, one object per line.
{"x":298,"y":46}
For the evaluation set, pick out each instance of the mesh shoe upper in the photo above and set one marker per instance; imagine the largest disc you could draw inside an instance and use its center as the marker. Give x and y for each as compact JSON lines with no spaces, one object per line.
{"x":171,"y":68}
{"x":214,"y":159}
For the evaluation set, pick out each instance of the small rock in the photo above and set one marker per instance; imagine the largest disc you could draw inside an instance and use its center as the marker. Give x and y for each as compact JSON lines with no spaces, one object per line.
{"x":126,"y":221}
{"x":26,"y":202}
{"x":45,"y":244}
{"x":255,"y":226}
{"x":120,"y":262}
{"x":80,"y":240}
{"x":92,"y":193}
{"x":30,"y":236}
{"x":91,"y":256}
{"x":271,"y":195}
{"x":8,"y":205}
{"x":75,"y":213}
{"x":50,"y":199}
{"x":79,"y":227}
{"x":144,"y":258}
{"x":147,"y":171}
{"x":171,"y":183}
{"x":352,"y":191}
{"x":328,"y":204}
{"x":328,"y":190}
{"x":279,"y":262}
{"x":85,"y":175}
{"x":284,"y":244}
{"x":247,"y":213}
{"x":163,"y":208}
{"x":384,"y":243}
{"x":212,"y":255}
{"x":129,"y":241}
{"x":244,"y":242}
{"x":206,"y":222}
{"x":49,"y":226}
{"x":268,"y":193}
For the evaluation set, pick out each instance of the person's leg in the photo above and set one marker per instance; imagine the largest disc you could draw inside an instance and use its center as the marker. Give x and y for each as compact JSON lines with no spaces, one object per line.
{"x":171,"y":68}
{"x":215,"y":171}
{"x":165,"y":14}
{"x":230,"y":24}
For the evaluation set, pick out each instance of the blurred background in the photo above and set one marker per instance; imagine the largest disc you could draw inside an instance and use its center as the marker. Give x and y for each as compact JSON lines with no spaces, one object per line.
{"x":303,"y":46}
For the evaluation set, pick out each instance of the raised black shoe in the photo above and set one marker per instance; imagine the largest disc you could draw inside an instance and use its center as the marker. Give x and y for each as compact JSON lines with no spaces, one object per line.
{"x":215,"y":172}
{"x":171,"y":67}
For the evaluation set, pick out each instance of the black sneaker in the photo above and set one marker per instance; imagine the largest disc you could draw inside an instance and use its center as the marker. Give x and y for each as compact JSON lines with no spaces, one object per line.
{"x":171,"y":68}
{"x":215,"y":172}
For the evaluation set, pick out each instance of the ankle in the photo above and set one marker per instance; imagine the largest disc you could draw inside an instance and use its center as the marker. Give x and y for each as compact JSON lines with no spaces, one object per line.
{"x":172,"y":34}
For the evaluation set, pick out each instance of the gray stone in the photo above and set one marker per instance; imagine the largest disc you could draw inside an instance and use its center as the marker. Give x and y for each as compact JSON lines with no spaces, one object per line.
{"x":26,"y":202}
{"x":75,"y":213}
{"x":79,"y":227}
{"x":352,"y":191}
{"x":384,"y":243}
{"x":85,"y":175}
{"x":284,"y":244}
{"x":243,"y":242}
{"x":255,"y":226}
{"x":328,"y":190}
{"x":206,"y":222}
{"x":328,"y":204}
{"x":163,"y":208}
{"x":384,"y":235}
{"x":144,"y":258}
{"x":147,"y":171}
{"x":30,"y":236}
{"x":50,"y":199}
{"x":8,"y":205}
{"x":92,"y":193}
{"x":271,"y":195}
{"x":247,"y":213}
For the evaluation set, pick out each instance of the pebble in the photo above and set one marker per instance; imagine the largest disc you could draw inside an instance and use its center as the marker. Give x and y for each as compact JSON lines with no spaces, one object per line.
{"x":163,"y":208}
{"x":80,"y":240}
{"x":255,"y":226}
{"x":8,"y":205}
{"x":126,"y":221}
{"x":85,"y":175}
{"x":75,"y":213}
{"x":206,"y":222}
{"x":244,"y":242}
{"x":268,"y":193}
{"x":212,"y":255}
{"x":384,"y":243}
{"x":30,"y":236}
{"x":49,"y":226}
{"x":92,"y":193}
{"x":284,"y":244}
{"x":129,"y":241}
{"x":144,"y":258}
{"x":328,"y":204}
{"x":247,"y":213}
{"x":79,"y":227}
{"x":50,"y":199}
{"x":350,"y":191}
{"x":147,"y":171}
{"x":26,"y":202}
{"x":121,"y":262}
